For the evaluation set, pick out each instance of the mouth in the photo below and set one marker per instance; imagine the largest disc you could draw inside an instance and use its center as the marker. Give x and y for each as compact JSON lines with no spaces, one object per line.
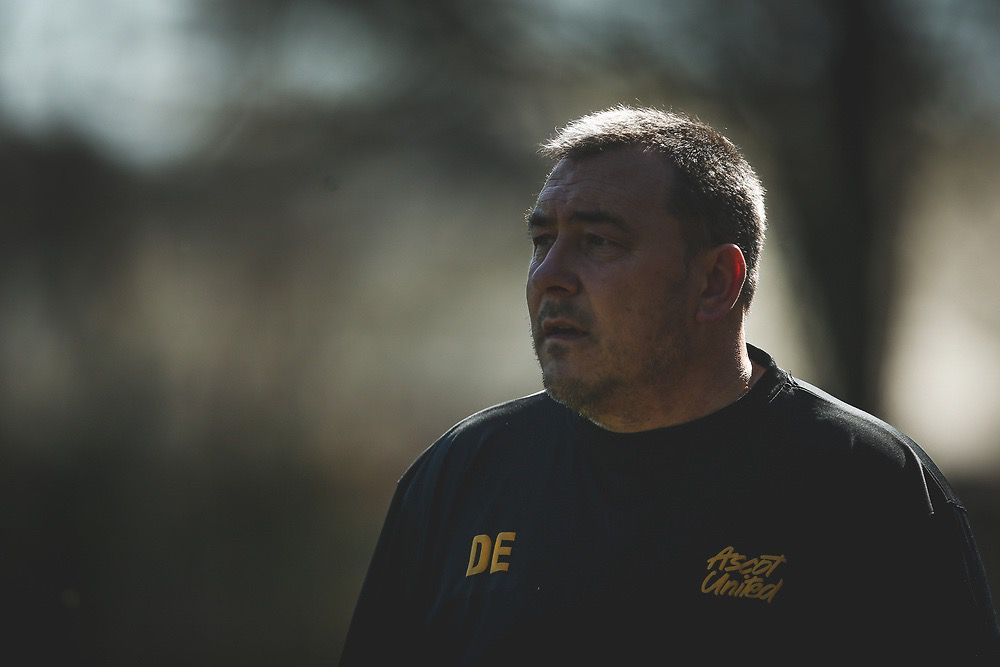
{"x":561,"y":330}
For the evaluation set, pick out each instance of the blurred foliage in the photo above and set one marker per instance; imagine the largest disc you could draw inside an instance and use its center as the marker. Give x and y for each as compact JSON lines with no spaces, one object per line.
{"x":257,"y":255}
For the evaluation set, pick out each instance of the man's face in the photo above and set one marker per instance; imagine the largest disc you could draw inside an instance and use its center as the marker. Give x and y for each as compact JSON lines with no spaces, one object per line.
{"x":610,"y":301}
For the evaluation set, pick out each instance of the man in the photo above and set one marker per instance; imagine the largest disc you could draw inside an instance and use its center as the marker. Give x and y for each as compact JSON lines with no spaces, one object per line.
{"x":673,"y":495}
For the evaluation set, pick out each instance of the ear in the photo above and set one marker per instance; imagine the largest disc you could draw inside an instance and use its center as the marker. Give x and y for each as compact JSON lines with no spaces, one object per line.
{"x":724,"y":272}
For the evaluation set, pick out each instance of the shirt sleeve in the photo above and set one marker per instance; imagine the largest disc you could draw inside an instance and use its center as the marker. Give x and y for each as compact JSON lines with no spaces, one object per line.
{"x":958,"y":615}
{"x":385,"y":625}
{"x":928,"y":597}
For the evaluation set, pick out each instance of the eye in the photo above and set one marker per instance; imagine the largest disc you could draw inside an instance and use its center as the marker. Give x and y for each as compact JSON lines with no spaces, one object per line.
{"x":595,"y":241}
{"x":542,"y":241}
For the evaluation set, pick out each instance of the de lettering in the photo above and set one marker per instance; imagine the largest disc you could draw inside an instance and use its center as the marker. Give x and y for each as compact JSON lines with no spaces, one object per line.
{"x":482,"y":546}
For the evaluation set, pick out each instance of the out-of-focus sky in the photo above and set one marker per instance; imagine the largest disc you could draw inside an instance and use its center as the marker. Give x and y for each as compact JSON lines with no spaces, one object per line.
{"x":258,"y":255}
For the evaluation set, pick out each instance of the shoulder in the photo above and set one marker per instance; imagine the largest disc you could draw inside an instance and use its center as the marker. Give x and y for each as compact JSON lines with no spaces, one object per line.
{"x":493,"y":432}
{"x":519,"y":413}
{"x":869,"y":449}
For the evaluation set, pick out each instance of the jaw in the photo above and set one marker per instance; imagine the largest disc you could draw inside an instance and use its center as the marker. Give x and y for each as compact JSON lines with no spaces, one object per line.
{"x":574,"y":377}
{"x":574,"y":355}
{"x":558,"y":363}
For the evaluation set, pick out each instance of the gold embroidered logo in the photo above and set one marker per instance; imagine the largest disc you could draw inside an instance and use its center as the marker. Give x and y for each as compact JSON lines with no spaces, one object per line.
{"x":479,"y":557}
{"x":731,"y":573}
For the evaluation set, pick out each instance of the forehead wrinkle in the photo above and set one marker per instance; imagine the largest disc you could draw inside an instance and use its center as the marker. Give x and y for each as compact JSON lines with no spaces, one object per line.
{"x":597,"y":195}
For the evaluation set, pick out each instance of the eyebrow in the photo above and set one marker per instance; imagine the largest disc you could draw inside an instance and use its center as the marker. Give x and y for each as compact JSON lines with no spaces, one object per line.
{"x":538,"y":219}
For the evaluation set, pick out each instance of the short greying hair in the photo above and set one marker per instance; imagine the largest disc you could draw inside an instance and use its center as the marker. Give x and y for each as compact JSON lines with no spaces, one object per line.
{"x":715,"y":192}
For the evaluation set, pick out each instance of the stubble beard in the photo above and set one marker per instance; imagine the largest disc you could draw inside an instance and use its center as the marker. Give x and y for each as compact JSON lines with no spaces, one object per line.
{"x":617,"y":382}
{"x":588,"y":397}
{"x":610,"y":388}
{"x":576,"y":393}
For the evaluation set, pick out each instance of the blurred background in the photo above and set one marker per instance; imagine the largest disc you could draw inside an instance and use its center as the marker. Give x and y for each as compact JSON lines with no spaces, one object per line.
{"x":258,"y":254}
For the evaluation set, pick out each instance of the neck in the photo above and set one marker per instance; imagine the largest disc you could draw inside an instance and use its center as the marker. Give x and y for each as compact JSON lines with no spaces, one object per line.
{"x":712,"y":378}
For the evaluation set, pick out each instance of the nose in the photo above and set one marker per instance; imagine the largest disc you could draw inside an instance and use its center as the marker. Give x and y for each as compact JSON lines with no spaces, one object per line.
{"x":555,"y":271}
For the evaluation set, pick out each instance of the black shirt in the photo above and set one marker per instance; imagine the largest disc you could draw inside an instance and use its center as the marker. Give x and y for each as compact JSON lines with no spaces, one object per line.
{"x":786,"y":527}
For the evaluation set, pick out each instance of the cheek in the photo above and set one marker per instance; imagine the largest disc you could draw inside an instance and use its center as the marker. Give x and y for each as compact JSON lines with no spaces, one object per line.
{"x":642,"y":313}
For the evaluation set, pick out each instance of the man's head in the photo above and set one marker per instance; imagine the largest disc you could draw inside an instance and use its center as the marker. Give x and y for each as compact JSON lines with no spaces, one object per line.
{"x":646,"y":237}
{"x":713,"y":191}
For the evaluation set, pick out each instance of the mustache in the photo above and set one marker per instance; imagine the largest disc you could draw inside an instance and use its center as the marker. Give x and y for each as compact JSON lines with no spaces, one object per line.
{"x":562,"y":309}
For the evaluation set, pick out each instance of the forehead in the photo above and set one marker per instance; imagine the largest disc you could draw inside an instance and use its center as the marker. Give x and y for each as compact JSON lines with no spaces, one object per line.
{"x":626,"y":181}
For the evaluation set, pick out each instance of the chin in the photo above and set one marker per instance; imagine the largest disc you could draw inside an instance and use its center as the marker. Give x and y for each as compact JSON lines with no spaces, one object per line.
{"x":574,"y":392}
